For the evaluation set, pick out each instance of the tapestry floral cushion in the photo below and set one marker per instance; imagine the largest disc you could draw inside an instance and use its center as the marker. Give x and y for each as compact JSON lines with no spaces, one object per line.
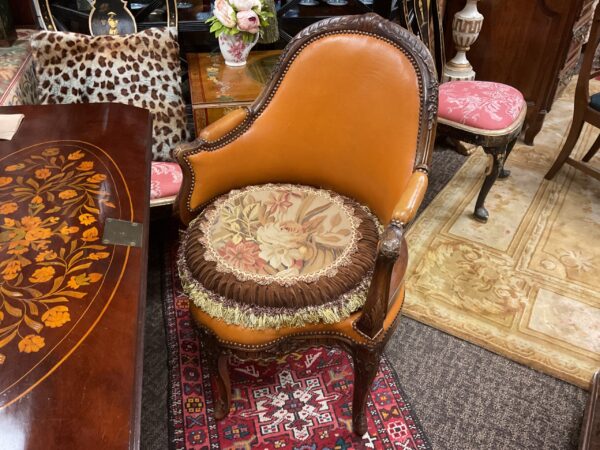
{"x":139,"y":69}
{"x":480,"y":104}
{"x":280,"y":255}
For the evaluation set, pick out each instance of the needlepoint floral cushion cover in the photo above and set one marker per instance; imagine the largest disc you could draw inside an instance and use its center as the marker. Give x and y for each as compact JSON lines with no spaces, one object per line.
{"x":480,"y":104}
{"x":139,"y":69}
{"x":280,"y":255}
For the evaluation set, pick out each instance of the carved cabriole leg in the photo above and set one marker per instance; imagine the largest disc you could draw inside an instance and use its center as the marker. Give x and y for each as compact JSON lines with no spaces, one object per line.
{"x":505,"y":173}
{"x":218,"y":360}
{"x":572,"y":139}
{"x":366,"y":364}
{"x":498,"y":154}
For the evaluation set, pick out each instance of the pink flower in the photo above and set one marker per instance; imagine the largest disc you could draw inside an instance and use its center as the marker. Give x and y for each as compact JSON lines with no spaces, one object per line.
{"x":278,"y":202}
{"x":243,"y":256}
{"x":248,"y":21}
{"x":224,"y":13}
{"x":246,"y":5}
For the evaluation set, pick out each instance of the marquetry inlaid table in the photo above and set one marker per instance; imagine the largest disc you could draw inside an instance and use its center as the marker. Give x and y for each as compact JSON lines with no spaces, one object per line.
{"x":217,"y":89}
{"x":74,"y":196}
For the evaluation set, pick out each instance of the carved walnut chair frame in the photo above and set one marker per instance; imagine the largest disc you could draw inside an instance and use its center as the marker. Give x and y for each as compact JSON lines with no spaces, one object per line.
{"x":365,"y":333}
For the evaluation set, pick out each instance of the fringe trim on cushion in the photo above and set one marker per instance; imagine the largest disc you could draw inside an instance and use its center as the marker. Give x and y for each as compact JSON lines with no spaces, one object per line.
{"x":256,"y":317}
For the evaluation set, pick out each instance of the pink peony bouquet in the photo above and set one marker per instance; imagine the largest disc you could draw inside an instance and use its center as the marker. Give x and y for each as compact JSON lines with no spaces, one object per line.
{"x":231,"y":17}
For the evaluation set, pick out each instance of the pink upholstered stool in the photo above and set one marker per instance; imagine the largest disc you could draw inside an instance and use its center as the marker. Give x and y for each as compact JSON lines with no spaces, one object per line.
{"x":487,"y":114}
{"x":165,"y":182}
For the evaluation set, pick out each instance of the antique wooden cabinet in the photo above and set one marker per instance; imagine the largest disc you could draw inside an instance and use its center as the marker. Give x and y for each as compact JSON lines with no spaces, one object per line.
{"x":533,"y":45}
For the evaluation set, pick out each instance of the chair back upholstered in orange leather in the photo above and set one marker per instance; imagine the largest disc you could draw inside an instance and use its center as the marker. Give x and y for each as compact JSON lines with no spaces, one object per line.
{"x":350,"y":108}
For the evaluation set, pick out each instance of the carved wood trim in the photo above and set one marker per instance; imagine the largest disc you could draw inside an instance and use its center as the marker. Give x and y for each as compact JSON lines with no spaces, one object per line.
{"x":391,"y":246}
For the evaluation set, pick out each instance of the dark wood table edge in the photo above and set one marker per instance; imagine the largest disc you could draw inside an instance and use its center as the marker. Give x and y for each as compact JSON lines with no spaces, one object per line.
{"x":590,"y":430}
{"x":136,"y":410}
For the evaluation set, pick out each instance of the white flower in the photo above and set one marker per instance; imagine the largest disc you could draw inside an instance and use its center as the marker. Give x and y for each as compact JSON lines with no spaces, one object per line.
{"x":224,"y":13}
{"x":281,"y":245}
{"x":246,"y":5}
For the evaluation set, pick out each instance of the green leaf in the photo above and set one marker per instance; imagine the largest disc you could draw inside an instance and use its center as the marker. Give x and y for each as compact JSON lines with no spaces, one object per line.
{"x":215,"y":26}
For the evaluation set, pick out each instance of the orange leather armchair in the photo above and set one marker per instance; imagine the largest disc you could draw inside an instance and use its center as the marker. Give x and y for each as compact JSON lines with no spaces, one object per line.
{"x":351,"y":108}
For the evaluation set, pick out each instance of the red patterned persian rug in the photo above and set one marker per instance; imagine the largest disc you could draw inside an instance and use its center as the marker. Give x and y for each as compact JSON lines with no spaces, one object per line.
{"x":301,"y":401}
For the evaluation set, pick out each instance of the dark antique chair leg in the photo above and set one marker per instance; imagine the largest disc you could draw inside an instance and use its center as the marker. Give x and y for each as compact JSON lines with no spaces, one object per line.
{"x":592,"y":151}
{"x":576,"y":127}
{"x":218,"y":361}
{"x":505,"y":173}
{"x":366,"y":364}
{"x":223,"y":403}
{"x":498,"y":155}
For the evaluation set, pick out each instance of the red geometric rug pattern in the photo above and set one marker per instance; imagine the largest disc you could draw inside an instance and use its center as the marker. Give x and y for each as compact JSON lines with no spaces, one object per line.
{"x":302,"y":401}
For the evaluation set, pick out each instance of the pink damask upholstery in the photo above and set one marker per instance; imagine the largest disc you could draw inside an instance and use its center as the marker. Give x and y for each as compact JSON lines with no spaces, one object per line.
{"x":480,"y":104}
{"x":165,"y":180}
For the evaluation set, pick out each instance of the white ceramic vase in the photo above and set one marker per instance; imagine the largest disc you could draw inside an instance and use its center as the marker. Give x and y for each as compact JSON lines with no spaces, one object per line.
{"x":234,"y":50}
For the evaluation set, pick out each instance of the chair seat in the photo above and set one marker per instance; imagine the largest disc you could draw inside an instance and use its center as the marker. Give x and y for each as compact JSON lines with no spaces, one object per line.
{"x":165,"y":180}
{"x":279,"y":255}
{"x":483,"y":105}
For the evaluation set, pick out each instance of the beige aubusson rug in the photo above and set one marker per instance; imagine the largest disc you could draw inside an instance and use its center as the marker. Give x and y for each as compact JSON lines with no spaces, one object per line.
{"x":525,"y":285}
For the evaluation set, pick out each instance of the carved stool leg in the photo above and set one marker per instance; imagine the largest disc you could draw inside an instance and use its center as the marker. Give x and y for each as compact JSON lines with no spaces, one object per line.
{"x":505,"y":173}
{"x":223,"y":402}
{"x":497,"y":153}
{"x":366,"y":364}
{"x":218,"y":360}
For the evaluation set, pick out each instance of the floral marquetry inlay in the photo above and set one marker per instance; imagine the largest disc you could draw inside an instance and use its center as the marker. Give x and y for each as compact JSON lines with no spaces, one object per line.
{"x":49,"y":242}
{"x":53,"y":202}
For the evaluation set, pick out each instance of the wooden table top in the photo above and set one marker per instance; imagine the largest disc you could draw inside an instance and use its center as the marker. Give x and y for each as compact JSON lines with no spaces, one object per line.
{"x":214,"y":84}
{"x":71,"y":304}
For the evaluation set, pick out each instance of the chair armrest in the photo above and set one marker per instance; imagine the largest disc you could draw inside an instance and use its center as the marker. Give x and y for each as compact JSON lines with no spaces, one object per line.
{"x":224,"y":125}
{"x":392,"y":249}
{"x":411,"y":198}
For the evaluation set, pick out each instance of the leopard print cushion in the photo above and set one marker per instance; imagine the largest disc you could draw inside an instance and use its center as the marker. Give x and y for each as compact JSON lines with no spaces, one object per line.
{"x":139,"y":69}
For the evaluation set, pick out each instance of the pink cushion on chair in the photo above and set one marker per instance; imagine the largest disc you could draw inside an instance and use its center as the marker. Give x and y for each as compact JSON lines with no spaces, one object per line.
{"x":480,"y":104}
{"x":165,"y":179}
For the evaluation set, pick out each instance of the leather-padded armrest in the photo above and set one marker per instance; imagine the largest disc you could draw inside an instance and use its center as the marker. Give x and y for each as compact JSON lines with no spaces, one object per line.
{"x":411,"y":198}
{"x":224,"y":125}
